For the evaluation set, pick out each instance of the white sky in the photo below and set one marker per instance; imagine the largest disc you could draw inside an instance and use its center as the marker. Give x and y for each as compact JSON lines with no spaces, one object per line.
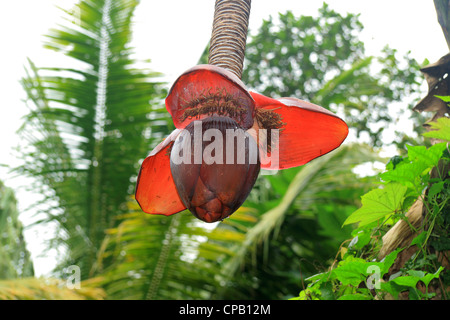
{"x":173,"y":34}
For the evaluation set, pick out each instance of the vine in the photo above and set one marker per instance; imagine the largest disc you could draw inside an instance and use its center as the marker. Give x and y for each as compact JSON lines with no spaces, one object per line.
{"x":414,"y":185}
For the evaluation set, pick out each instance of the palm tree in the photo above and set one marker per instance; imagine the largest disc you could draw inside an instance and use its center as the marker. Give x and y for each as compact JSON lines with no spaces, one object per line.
{"x":89,"y":125}
{"x":15,"y":260}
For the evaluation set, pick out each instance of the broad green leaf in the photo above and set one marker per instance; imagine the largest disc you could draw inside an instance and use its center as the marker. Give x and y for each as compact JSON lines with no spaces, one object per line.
{"x":378,"y":203}
{"x":419,"y":162}
{"x":440,"y":129}
{"x":435,"y":189}
{"x":407,"y":281}
{"x":416,"y":273}
{"x":391,"y":288}
{"x":430,"y":276}
{"x":360,"y":240}
{"x":406,"y":173}
{"x":389,"y":260}
{"x":415,"y":276}
{"x":430,"y":156}
{"x":419,"y":239}
{"x":351,"y":272}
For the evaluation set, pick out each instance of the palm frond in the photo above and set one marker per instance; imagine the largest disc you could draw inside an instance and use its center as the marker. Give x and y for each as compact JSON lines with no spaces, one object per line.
{"x":153,"y":257}
{"x":89,"y":125}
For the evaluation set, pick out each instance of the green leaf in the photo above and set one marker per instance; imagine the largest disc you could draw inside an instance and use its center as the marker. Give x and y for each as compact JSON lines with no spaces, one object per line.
{"x":407,"y":281}
{"x":430,"y":276}
{"x":430,"y":156}
{"x":406,"y":173}
{"x":419,"y":162}
{"x":415,"y":276}
{"x":355,"y":296}
{"x":435,"y":189}
{"x":389,"y":260}
{"x":391,"y":288}
{"x":351,"y":272}
{"x":419,"y":240}
{"x":360,"y":240}
{"x":440,"y":129}
{"x":378,"y":203}
{"x":443,"y":98}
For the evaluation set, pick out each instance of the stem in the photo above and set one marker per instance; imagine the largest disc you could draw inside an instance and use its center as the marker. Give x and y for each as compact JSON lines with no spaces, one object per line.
{"x":97,"y":208}
{"x":164,"y":255}
{"x":229,"y":35}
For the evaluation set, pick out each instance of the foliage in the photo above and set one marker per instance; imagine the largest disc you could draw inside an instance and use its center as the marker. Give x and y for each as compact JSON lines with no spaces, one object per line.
{"x":401,"y":184}
{"x":289,"y":56}
{"x":441,"y":129}
{"x":322,"y":60}
{"x":89,"y":125}
{"x":15,"y":260}
{"x":299,"y":225}
{"x":47,"y":289}
{"x":158,"y":257}
{"x":176,"y":257}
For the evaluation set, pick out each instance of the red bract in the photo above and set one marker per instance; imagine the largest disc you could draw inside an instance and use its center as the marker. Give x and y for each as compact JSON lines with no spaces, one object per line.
{"x":205,"y":90}
{"x":191,"y":168}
